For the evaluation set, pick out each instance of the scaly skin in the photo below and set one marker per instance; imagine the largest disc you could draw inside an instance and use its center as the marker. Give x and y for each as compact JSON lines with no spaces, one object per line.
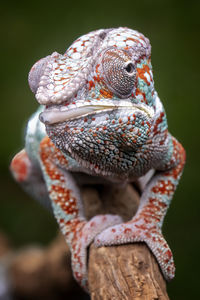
{"x":102,"y":117}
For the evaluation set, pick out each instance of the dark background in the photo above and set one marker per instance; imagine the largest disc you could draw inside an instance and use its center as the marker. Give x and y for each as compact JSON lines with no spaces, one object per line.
{"x":35,"y":29}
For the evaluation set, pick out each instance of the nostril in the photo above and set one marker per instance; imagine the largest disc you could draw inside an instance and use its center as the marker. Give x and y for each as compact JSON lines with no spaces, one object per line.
{"x":35,"y":73}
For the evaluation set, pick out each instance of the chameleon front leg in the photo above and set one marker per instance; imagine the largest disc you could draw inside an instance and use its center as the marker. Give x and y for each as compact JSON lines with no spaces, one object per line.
{"x":68,"y":210}
{"x":146,"y":224}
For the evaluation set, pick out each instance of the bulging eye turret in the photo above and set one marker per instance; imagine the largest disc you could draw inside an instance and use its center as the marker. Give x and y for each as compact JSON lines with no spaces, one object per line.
{"x":119,"y":72}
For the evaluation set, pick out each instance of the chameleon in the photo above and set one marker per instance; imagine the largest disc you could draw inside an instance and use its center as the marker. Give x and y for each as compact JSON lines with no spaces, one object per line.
{"x":100,"y":119}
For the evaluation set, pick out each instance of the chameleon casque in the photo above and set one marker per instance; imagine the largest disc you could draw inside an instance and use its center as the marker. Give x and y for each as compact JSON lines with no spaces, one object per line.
{"x":103,"y":118}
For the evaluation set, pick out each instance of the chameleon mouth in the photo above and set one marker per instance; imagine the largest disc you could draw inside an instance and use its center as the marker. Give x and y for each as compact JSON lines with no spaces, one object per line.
{"x":81,"y":109}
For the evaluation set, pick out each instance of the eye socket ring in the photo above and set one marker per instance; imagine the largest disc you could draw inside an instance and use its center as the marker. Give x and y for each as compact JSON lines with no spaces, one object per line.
{"x":129,"y":67}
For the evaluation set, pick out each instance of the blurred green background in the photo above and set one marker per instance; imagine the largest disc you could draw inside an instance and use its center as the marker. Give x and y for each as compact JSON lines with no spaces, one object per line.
{"x":31,"y":30}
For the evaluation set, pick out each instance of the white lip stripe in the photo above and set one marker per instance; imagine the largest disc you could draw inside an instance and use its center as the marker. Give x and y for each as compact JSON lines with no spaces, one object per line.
{"x":52,"y":116}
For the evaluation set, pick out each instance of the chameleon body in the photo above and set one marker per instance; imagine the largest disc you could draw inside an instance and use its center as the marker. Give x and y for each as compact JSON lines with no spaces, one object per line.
{"x":100,"y":115}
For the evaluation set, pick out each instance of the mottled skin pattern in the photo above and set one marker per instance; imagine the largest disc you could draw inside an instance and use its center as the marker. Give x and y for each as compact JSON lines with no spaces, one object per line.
{"x":103,"y":118}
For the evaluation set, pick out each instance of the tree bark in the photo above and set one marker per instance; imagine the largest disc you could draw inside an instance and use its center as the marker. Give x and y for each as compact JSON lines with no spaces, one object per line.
{"x":125,"y":272}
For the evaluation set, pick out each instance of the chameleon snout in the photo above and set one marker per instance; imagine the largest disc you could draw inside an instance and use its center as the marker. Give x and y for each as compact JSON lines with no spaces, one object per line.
{"x":57,"y":78}
{"x":36,"y":72}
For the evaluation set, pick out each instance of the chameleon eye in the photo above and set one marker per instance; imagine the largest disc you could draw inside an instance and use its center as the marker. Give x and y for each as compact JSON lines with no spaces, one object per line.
{"x":119,"y":72}
{"x":129,"y":67}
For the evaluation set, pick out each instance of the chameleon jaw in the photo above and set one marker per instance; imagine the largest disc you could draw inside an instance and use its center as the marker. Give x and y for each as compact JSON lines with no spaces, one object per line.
{"x":54,"y":115}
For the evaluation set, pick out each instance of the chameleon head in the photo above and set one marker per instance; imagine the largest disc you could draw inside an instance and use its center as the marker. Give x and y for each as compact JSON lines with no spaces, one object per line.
{"x":99,"y":98}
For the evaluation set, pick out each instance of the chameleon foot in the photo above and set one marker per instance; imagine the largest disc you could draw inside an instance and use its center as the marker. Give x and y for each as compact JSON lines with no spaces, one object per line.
{"x":140,"y":232}
{"x":83,"y":238}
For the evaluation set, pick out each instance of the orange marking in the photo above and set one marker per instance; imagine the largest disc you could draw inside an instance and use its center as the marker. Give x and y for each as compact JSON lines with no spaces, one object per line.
{"x":134,"y":40}
{"x":158,"y":121}
{"x":20,"y":166}
{"x":49,"y":153}
{"x":141,"y":72}
{"x":91,"y":84}
{"x":106,"y":93}
{"x":138,"y":92}
{"x":97,"y":68}
{"x":51,"y":157}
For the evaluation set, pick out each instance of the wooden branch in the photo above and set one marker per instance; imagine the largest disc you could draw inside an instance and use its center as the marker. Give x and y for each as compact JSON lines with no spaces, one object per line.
{"x":125,"y":272}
